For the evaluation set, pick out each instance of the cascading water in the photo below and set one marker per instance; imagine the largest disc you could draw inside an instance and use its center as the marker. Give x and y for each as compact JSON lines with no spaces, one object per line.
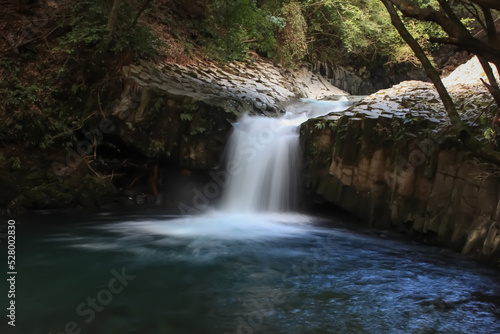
{"x":263,"y":155}
{"x":264,"y":158}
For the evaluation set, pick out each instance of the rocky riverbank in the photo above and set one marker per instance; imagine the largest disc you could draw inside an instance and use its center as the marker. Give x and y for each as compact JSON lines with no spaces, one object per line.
{"x":393,"y":161}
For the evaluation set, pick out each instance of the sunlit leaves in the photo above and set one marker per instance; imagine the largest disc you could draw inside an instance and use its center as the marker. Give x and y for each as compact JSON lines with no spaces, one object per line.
{"x":292,"y":43}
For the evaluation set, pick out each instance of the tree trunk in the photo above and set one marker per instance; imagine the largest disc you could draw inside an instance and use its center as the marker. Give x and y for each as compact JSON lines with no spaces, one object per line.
{"x":144,"y":6}
{"x":459,"y":127}
{"x":494,"y":4}
{"x":432,"y":73}
{"x":492,"y":87}
{"x":458,"y":34}
{"x":113,"y":17}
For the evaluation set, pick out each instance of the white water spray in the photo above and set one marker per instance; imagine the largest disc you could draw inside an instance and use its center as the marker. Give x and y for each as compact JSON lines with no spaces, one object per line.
{"x":264,"y":158}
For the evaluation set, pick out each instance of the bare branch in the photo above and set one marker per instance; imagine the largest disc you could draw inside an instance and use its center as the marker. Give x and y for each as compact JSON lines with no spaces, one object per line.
{"x":492,"y":87}
{"x":491,"y":30}
{"x":432,"y":73}
{"x":458,"y":34}
{"x":472,"y":9}
{"x":423,"y":14}
{"x":493,"y":4}
{"x":113,"y":16}
{"x":459,"y":127}
{"x":444,"y":40}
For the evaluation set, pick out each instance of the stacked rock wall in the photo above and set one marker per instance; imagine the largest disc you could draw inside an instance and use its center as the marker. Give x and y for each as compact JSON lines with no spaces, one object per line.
{"x":185,"y":112}
{"x":393,"y":161}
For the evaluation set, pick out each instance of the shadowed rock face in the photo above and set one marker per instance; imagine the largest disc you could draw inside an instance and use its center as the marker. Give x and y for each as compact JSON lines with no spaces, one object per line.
{"x":393,"y":161}
{"x":362,"y":81}
{"x":178,"y":117}
{"x":184,"y":112}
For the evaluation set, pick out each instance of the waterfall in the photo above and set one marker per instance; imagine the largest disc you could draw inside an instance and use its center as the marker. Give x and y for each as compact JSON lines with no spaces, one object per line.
{"x":263,"y":158}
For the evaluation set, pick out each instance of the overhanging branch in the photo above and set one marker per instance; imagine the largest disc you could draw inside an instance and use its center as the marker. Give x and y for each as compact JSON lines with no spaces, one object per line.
{"x":457,"y":33}
{"x":444,"y":40}
{"x":493,"y":4}
{"x":458,"y":125}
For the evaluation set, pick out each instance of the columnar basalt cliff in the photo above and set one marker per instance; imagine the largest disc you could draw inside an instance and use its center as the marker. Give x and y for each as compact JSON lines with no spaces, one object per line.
{"x":161,"y":116}
{"x":393,"y":161}
{"x":184,"y":112}
{"x":362,"y":81}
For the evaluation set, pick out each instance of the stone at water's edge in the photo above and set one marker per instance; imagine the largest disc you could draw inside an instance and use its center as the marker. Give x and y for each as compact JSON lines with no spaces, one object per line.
{"x":393,"y":161}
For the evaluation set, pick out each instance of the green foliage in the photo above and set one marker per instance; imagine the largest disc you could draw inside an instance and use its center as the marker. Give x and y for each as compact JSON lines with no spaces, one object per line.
{"x":45,"y":109}
{"x":158,"y":104}
{"x":16,"y":163}
{"x":238,"y":26}
{"x":13,"y":162}
{"x":354,"y":31}
{"x":186,"y":117}
{"x":292,"y":46}
{"x":197,"y":130}
{"x":89,"y":31}
{"x":189,"y":108}
{"x":140,"y":39}
{"x":30,"y":113}
{"x":156,"y":147}
{"x":422,"y":31}
{"x":489,"y":134}
{"x":319,"y":125}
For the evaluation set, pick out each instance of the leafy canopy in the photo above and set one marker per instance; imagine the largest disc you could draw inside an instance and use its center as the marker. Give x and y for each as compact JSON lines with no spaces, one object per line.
{"x":357,"y":32}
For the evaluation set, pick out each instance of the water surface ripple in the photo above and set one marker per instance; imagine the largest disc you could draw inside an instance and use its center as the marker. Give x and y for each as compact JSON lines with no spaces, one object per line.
{"x":246,"y":273}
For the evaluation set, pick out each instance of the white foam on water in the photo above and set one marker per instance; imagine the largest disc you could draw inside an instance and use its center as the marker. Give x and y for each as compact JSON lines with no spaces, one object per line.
{"x":219,"y":226}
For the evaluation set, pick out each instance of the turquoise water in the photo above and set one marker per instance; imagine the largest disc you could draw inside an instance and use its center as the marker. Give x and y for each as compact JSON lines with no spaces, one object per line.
{"x":219,"y":273}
